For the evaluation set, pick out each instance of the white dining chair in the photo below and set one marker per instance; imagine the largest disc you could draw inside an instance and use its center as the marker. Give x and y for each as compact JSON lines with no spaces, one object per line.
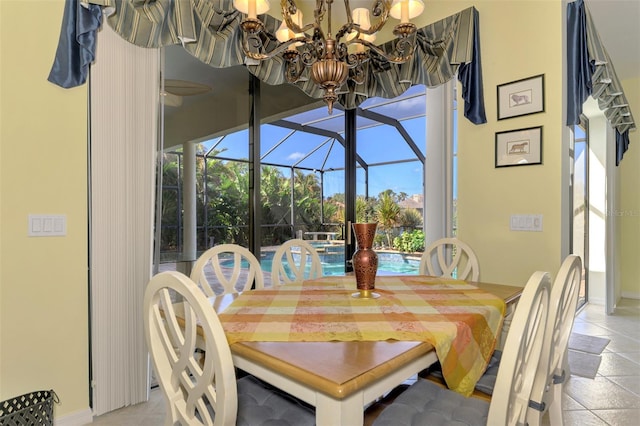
{"x":295,"y":260}
{"x":206,"y":394}
{"x":227,"y":268}
{"x":548,"y":385}
{"x":425,"y":402}
{"x":451,"y":258}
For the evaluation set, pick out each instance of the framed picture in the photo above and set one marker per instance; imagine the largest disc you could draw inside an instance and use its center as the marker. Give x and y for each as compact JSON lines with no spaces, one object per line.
{"x":521,"y":97}
{"x":520,"y":147}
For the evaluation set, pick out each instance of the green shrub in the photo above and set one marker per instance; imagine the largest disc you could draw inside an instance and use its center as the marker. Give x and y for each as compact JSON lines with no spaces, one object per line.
{"x":409,"y":242}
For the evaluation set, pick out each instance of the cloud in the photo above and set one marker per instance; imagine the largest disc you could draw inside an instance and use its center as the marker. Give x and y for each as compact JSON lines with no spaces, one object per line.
{"x":295,"y":156}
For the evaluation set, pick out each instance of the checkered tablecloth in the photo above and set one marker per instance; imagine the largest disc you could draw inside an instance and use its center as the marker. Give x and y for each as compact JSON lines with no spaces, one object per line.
{"x":458,"y":319}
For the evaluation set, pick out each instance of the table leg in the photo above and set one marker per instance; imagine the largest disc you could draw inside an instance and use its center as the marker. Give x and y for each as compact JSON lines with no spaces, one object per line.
{"x":348,"y":411}
{"x":506,"y":324}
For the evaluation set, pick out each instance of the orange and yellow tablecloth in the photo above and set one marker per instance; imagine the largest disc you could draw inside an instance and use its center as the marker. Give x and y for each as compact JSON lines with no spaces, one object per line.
{"x":458,"y":319}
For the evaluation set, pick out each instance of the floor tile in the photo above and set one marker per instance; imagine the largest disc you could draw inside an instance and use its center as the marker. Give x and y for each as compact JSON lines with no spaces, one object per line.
{"x":582,"y":418}
{"x":600,"y":394}
{"x":626,"y":417}
{"x":613,"y":364}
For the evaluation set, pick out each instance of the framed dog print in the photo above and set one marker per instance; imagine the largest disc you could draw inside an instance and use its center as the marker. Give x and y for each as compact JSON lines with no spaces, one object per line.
{"x":520,"y":147}
{"x":521,"y":97}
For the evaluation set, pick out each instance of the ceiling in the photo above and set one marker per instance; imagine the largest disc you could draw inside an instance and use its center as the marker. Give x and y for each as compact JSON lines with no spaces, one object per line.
{"x":618,"y":23}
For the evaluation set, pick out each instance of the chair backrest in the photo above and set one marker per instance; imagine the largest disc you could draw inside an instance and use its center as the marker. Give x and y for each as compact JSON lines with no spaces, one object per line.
{"x":562,"y":312}
{"x":295,"y":260}
{"x":451,"y":258}
{"x":227,"y":268}
{"x":522,"y":354}
{"x":191,"y":390}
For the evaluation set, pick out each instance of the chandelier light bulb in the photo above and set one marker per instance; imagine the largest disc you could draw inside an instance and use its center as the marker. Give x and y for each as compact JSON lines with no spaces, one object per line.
{"x":284,"y":34}
{"x":252,"y":8}
{"x":361,"y":17}
{"x":405,"y":10}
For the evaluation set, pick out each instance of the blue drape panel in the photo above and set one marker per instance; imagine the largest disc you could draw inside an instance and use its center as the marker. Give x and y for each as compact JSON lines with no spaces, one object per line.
{"x":579,"y":67}
{"x":470,"y":75}
{"x":622,"y":144}
{"x":77,"y":44}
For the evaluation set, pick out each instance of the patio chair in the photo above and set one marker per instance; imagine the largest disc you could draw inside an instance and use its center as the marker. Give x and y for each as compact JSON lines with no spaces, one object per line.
{"x":207,"y":394}
{"x":451,"y":258}
{"x":227,"y":268}
{"x":426,"y":402}
{"x":295,"y":260}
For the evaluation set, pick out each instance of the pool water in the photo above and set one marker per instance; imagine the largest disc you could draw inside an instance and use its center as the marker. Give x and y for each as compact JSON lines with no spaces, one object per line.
{"x":332,"y":259}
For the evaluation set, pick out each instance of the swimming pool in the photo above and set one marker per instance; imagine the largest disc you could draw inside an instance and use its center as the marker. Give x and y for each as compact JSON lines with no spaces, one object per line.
{"x":332,"y":258}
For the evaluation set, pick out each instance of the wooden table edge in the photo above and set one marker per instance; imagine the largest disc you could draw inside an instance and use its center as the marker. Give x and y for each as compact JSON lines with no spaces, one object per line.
{"x":248,"y":351}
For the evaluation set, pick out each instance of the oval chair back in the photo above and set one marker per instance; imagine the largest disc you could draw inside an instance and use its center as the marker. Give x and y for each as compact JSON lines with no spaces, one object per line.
{"x":548,"y":385}
{"x":174,"y":307}
{"x":451,"y":258}
{"x":227,"y":268}
{"x":295,"y":260}
{"x":177,"y":314}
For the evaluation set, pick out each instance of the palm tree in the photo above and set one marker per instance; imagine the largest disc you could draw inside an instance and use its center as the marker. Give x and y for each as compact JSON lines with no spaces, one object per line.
{"x":387,"y":214}
{"x":410,"y":219}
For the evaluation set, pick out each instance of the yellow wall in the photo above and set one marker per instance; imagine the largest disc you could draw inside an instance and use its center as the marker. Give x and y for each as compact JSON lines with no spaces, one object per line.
{"x":43,"y":169}
{"x":628,"y":241}
{"x":487,"y":196}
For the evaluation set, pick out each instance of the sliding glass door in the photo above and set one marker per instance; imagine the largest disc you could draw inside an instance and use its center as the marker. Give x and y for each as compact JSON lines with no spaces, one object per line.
{"x":580,"y":202}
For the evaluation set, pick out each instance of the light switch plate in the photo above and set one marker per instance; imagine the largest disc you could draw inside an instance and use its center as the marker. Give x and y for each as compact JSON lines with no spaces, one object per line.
{"x":526,"y":222}
{"x":47,"y":225}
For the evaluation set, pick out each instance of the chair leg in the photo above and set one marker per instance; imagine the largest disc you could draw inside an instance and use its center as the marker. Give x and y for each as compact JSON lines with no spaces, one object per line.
{"x":555,"y":409}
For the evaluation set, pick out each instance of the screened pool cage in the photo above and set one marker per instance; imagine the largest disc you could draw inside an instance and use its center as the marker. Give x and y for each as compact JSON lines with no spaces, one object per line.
{"x":302,"y":171}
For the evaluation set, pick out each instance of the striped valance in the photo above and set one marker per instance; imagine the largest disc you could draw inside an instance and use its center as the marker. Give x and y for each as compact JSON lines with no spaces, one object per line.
{"x":210,"y":31}
{"x":591,"y":72}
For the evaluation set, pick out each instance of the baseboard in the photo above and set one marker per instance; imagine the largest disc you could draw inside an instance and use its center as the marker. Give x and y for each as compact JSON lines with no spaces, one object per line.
{"x":79,"y":418}
{"x":624,"y":295}
{"x":596,"y":300}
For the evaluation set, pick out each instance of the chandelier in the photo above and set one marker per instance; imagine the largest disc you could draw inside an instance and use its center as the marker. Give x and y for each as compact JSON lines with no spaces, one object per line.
{"x":332,"y":59}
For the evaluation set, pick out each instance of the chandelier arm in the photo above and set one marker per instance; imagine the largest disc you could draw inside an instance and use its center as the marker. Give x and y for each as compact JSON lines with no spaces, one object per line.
{"x":294,"y":70}
{"x":349,"y":16}
{"x":396,"y":59}
{"x":381,"y":11}
{"x":268,"y":55}
{"x":318,"y":15}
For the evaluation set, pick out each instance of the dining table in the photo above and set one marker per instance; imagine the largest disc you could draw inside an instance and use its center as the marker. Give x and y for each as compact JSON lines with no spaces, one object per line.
{"x":339,"y":353}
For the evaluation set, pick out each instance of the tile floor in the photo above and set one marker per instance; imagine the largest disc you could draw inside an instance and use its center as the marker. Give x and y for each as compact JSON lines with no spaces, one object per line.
{"x":612,"y":398}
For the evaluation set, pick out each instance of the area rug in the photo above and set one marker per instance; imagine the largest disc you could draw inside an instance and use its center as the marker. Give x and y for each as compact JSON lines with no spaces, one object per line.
{"x":589,"y":344}
{"x":584,"y":364}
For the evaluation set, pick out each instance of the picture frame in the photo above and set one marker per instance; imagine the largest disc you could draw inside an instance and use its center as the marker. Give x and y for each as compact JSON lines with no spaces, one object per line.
{"x":521,"y":97}
{"x":520,"y":147}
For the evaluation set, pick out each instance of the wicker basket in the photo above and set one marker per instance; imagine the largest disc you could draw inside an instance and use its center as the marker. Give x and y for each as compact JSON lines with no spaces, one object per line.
{"x":35,"y":408}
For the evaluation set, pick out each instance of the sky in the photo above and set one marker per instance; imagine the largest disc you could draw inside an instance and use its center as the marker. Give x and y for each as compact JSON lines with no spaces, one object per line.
{"x":379,"y":144}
